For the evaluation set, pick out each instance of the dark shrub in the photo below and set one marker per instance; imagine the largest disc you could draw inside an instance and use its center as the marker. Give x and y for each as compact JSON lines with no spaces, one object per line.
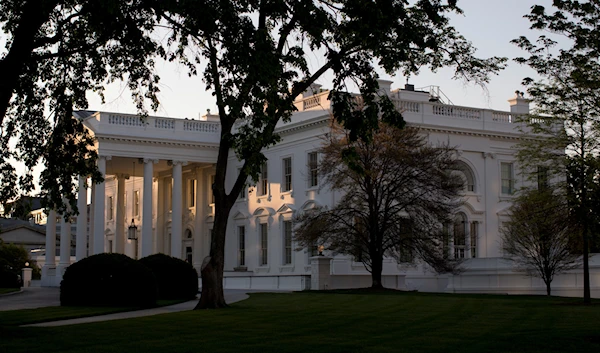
{"x":176,"y":278}
{"x":9,"y":279}
{"x":108,"y":280}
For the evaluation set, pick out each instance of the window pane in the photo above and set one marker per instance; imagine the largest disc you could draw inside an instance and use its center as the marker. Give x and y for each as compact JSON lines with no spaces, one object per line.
{"x":287,"y":174}
{"x":242,"y":246}
{"x":263,"y":244}
{"x":312,"y":169}
{"x":287,"y":234}
{"x":506,"y":172}
{"x":264,"y":180}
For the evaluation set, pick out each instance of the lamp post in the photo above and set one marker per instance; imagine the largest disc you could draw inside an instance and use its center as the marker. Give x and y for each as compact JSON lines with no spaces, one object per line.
{"x":132,"y":235}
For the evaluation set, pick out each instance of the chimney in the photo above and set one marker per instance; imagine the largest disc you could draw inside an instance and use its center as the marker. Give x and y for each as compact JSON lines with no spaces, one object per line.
{"x":385,"y":86}
{"x":313,"y":89}
{"x":519,"y":104}
{"x":409,"y":87}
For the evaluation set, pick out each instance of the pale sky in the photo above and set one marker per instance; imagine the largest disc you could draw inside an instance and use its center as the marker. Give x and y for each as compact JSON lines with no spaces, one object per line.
{"x":489,"y":24}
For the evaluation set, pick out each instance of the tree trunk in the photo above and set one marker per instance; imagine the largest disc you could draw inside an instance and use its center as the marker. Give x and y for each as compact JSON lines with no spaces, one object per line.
{"x":586,"y":265}
{"x":212,"y":296}
{"x":376,"y":269}
{"x":548,"y":289}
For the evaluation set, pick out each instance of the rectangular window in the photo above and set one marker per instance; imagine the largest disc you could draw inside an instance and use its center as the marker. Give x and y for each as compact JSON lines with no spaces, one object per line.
{"x":111,"y":208}
{"x":507,"y":176}
{"x":287,"y":242}
{"x":542,"y":177}
{"x":110,"y":246}
{"x":264,"y":249}
{"x":264,"y":180}
{"x":192,"y":193}
{"x":474,"y":235}
{"x":313,"y":175}
{"x":287,"y":174}
{"x":242,"y":246}
{"x":136,"y":202}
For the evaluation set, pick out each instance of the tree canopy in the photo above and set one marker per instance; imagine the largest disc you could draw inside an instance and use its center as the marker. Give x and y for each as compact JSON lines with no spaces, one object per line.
{"x":567,"y":107}
{"x":57,"y":51}
{"x":398,"y":192}
{"x":254,"y":55}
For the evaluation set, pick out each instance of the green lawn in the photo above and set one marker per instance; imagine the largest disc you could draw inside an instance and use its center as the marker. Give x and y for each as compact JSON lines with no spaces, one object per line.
{"x":338,"y":322}
{"x":56,"y":313}
{"x":8,"y":290}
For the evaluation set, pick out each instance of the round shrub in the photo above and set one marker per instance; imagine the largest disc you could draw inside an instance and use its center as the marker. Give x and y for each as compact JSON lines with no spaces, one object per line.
{"x":176,"y":278}
{"x":9,"y":279}
{"x":108,"y":280}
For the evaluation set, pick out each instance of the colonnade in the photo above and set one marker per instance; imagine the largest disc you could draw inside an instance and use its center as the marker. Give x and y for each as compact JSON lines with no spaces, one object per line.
{"x":98,"y":223}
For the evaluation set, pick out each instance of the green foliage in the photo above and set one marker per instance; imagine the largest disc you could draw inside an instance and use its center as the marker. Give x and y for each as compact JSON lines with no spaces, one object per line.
{"x":12,"y":261}
{"x":108,"y":280}
{"x":176,"y":279}
{"x":567,"y":101}
{"x":56,"y":52}
{"x":397,"y":189}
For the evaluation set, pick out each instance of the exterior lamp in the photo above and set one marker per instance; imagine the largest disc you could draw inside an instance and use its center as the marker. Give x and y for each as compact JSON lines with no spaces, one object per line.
{"x":321,"y":247}
{"x":27,"y":264}
{"x":132,"y":231}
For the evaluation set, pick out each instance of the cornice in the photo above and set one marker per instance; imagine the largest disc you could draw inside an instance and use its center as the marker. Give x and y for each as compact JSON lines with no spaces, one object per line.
{"x":174,"y":143}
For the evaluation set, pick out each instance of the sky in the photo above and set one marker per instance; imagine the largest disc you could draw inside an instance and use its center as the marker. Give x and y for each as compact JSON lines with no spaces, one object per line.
{"x":489,"y":24}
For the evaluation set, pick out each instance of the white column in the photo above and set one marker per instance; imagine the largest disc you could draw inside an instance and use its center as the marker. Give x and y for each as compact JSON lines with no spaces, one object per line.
{"x":147,"y":207}
{"x":161,"y":213}
{"x":91,"y":226}
{"x":65,"y":246}
{"x":99,"y":207}
{"x":176,"y":219}
{"x":51,"y":239}
{"x":120,"y":221}
{"x":199,"y":220}
{"x":81,"y":241}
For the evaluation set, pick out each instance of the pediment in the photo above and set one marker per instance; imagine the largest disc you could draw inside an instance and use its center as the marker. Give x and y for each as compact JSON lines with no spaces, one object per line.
{"x":263,"y":212}
{"x":286,"y":208}
{"x":310,"y":205}
{"x":239,"y":215}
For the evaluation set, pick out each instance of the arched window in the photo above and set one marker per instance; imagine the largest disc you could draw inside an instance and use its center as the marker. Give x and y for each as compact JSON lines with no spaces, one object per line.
{"x":460,"y":235}
{"x":467,"y":175}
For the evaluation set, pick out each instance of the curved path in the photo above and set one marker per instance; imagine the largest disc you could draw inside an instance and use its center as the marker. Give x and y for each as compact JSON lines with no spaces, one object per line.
{"x":32,"y":298}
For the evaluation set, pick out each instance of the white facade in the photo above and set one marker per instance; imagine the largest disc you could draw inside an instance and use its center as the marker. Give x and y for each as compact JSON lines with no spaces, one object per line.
{"x":159,"y":172}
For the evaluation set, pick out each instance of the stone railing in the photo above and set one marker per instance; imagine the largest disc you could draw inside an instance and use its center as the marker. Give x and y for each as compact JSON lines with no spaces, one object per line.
{"x":456,"y":112}
{"x":312,"y":102}
{"x":156,"y":123}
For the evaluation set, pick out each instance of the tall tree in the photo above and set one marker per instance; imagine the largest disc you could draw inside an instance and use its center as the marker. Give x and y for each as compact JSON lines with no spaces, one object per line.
{"x":567,"y":101}
{"x":257,"y":56}
{"x":538,"y":236}
{"x":56,"y":52}
{"x":398,"y":192}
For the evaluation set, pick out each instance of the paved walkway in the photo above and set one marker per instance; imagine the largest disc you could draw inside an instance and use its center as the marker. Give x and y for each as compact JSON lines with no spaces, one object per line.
{"x":32,"y":298}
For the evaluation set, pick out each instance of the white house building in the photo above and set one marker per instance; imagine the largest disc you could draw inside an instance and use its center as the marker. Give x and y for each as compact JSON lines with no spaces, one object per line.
{"x":159,"y":172}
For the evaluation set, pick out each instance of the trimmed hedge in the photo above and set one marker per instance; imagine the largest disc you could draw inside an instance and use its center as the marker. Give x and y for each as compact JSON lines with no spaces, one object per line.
{"x":108,"y":280}
{"x":176,"y":278}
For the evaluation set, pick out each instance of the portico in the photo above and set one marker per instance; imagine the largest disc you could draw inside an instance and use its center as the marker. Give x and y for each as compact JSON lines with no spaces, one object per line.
{"x":156,"y":175}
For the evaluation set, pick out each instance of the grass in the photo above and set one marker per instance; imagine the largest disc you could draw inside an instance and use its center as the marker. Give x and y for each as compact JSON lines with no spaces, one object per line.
{"x":345,"y":321}
{"x":56,"y":313}
{"x":8,"y":290}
